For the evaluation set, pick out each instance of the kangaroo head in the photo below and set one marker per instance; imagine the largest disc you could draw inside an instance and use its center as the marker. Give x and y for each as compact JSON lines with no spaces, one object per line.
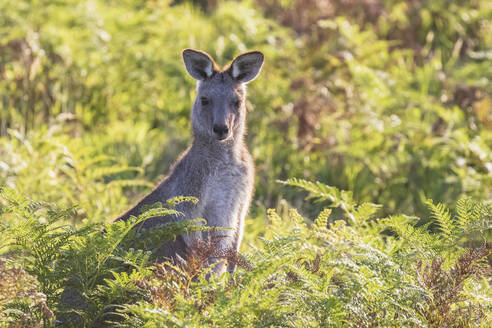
{"x":219,"y":110}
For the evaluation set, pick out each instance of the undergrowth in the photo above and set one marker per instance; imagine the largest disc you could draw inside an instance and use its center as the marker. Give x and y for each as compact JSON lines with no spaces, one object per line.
{"x":346,"y":268}
{"x":76,"y":270}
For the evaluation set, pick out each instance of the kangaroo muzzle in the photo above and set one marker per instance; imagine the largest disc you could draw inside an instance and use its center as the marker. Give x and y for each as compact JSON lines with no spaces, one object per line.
{"x":221,"y":131}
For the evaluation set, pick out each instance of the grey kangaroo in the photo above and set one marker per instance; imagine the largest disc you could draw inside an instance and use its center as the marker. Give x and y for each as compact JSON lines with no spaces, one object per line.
{"x":217,"y":168}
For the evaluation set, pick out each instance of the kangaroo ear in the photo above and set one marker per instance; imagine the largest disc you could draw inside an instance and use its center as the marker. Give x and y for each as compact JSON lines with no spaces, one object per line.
{"x":198,"y":63}
{"x":246,"y":67}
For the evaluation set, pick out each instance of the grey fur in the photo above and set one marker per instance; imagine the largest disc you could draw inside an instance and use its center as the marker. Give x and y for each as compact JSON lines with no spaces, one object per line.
{"x":217,"y":168}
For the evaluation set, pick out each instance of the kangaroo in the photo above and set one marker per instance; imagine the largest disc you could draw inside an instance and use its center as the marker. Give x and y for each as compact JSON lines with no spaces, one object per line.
{"x":217,"y":168}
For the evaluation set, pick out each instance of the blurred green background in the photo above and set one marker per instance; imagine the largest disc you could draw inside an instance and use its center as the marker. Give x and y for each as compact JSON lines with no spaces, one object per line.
{"x":388,"y":99}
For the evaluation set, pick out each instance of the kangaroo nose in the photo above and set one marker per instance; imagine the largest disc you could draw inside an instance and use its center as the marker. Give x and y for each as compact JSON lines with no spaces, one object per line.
{"x":221,"y":130}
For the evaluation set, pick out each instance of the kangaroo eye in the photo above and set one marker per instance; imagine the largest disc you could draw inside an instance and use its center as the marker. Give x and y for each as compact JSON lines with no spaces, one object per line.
{"x":204,"y":101}
{"x":237,"y":103}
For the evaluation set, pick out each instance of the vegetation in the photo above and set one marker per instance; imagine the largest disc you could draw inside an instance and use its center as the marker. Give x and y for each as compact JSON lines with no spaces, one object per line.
{"x":361,"y":272}
{"x":387,"y":103}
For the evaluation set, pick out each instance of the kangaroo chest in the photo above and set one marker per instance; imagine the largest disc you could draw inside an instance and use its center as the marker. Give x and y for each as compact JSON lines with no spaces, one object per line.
{"x":225,"y":191}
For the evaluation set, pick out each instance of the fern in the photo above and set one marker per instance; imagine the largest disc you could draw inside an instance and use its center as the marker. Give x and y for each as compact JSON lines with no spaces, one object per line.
{"x":322,"y":192}
{"x":412,"y":237}
{"x":21,"y":302}
{"x":471,"y":216}
{"x":321,"y":222}
{"x":320,"y":273}
{"x":464,"y":208}
{"x":84,"y":262}
{"x":356,"y":214}
{"x":443,"y":217}
{"x":364,"y":212}
{"x":173,"y":202}
{"x":316,"y":190}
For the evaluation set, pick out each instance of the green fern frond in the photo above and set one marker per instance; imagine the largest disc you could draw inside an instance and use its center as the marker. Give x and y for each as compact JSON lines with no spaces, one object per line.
{"x":116,"y":232}
{"x":152,"y":239}
{"x":322,"y":192}
{"x":12,"y":199}
{"x":321,"y":222}
{"x":464,"y":210}
{"x":316,"y":190}
{"x":172,"y":202}
{"x":441,"y":214}
{"x":472,"y":215}
{"x":365,"y":212}
{"x":413,"y":237}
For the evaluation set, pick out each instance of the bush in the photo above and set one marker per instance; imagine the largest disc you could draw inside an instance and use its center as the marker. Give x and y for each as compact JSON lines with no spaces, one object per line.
{"x":362,"y":271}
{"x":75,"y":267}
